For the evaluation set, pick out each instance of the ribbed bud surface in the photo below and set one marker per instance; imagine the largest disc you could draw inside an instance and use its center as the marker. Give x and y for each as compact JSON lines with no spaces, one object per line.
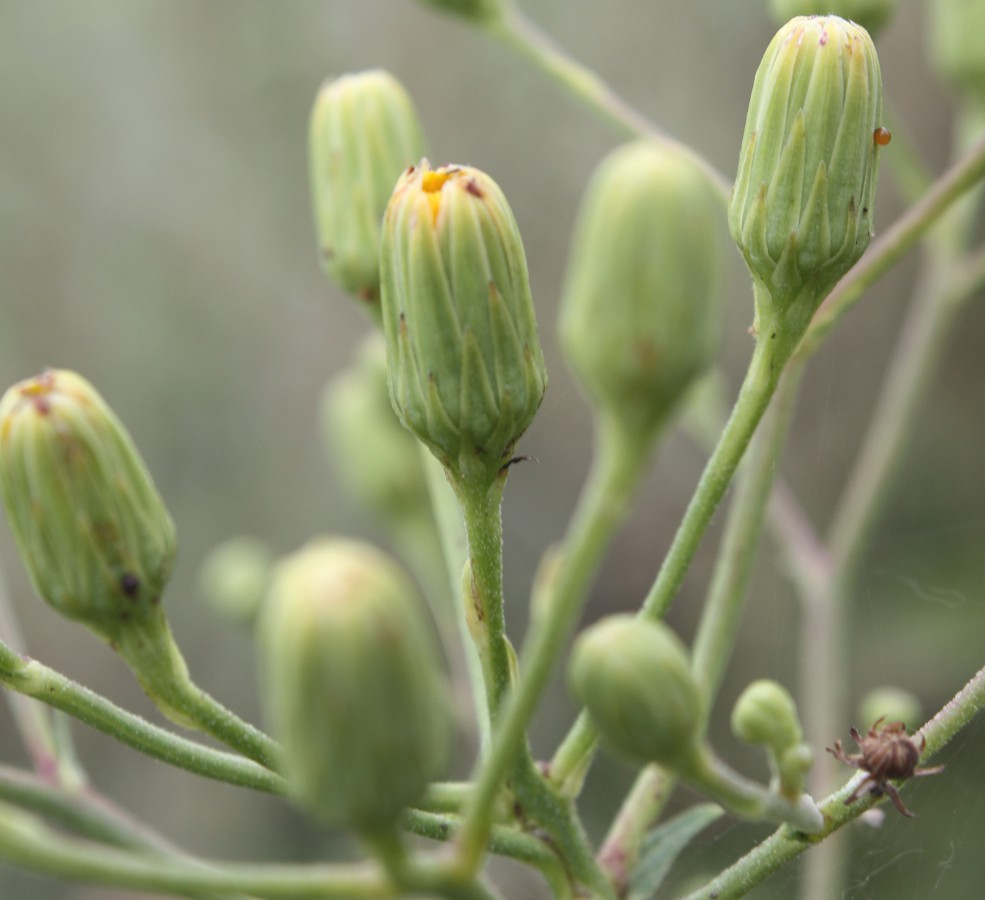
{"x":466,"y":372}
{"x":364,"y":131}
{"x":90,"y":526}
{"x":352,"y":684}
{"x":642,"y":312}
{"x":802,"y":207}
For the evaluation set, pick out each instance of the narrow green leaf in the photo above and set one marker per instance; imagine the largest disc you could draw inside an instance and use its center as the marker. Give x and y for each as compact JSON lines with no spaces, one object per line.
{"x":663,"y":845}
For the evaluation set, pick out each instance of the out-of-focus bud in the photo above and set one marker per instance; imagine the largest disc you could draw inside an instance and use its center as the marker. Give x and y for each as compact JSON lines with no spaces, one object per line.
{"x":634,"y":678}
{"x":802,"y":206}
{"x":376,"y":456}
{"x":234,"y":576}
{"x":870,"y":14}
{"x":956,"y":48}
{"x":892,"y":704}
{"x":482,"y":11}
{"x":642,"y":313}
{"x":466,"y":372}
{"x":90,"y":526}
{"x":766,"y":714}
{"x":351,"y":684}
{"x":364,"y":131}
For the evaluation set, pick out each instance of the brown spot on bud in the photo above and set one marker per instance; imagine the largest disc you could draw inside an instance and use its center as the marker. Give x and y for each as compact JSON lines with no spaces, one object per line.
{"x":130,"y":585}
{"x":473,"y":188}
{"x":882,"y":136}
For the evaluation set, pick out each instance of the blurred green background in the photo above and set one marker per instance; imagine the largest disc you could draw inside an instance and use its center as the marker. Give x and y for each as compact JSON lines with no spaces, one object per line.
{"x":155,"y":235}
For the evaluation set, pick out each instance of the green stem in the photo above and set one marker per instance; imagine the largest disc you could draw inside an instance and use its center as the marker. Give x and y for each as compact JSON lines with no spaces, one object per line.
{"x":746,"y":798}
{"x":518,"y":32}
{"x":33,"y":679}
{"x":28,"y":843}
{"x":716,"y":635}
{"x":448,"y":517}
{"x":483,"y":588}
{"x":149,"y":648}
{"x":758,"y":387}
{"x":784,"y":845}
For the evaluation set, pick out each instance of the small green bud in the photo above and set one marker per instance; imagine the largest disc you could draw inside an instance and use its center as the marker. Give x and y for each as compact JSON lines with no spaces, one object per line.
{"x":466,"y":372}
{"x":802,"y":206}
{"x":478,"y":10}
{"x":234,"y":576}
{"x":634,"y":678}
{"x":892,"y":704}
{"x":364,"y":132}
{"x":872,"y":15}
{"x":378,"y":459}
{"x":956,"y":48}
{"x":766,"y":714}
{"x":642,"y":309}
{"x":352,"y":684}
{"x":90,"y":526}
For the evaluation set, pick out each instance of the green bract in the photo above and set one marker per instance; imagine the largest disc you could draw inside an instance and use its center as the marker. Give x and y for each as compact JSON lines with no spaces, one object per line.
{"x":91,"y":527}
{"x":802,"y":206}
{"x":957,"y":49}
{"x":351,"y":683}
{"x":466,"y":372}
{"x":870,"y":14}
{"x":364,"y":132}
{"x":642,"y":307}
{"x":634,"y":678}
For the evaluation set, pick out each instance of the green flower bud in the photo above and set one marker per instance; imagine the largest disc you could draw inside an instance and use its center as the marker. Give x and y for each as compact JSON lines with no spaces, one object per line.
{"x":90,"y":526}
{"x":766,"y":714}
{"x":364,"y":132}
{"x":379,"y":461}
{"x":642,"y":309}
{"x":234,"y":577}
{"x":956,"y":47}
{"x":466,"y":372}
{"x":892,"y":704}
{"x":352,"y":684}
{"x":477,"y":10}
{"x":870,"y":14}
{"x":802,"y":206}
{"x":634,"y":678}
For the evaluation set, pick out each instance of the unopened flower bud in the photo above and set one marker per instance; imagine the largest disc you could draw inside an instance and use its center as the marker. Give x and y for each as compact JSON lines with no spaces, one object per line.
{"x":233,"y":577}
{"x":870,"y":14}
{"x":892,"y":704}
{"x":378,"y":459}
{"x":352,"y":684}
{"x":90,"y":526}
{"x":364,"y":132}
{"x":642,"y":308}
{"x":956,"y":48}
{"x":802,"y":207}
{"x":466,"y":372}
{"x":478,"y":10}
{"x":766,"y":714}
{"x":634,"y":678}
